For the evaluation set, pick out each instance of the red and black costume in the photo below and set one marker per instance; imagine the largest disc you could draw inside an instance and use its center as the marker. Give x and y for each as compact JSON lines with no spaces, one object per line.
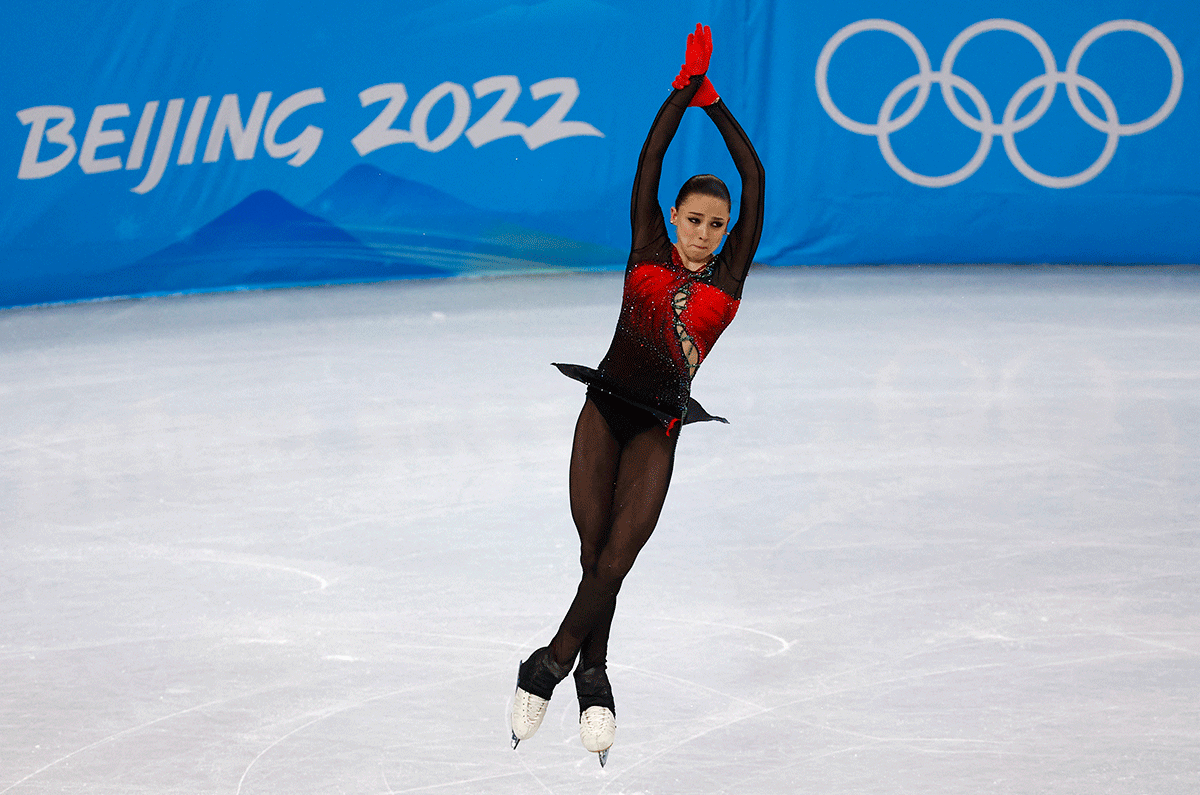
{"x":621,"y":460}
{"x":671,"y":316}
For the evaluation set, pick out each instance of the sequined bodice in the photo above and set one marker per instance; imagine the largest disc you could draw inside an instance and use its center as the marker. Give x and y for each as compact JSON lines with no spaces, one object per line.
{"x":670,"y":319}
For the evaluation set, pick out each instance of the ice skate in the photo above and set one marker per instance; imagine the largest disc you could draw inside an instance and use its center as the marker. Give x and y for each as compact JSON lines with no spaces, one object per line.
{"x":536,"y":679}
{"x":597,"y":711}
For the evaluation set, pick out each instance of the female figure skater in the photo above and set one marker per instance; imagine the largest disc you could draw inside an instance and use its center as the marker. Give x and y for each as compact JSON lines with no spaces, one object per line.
{"x":678,"y":298}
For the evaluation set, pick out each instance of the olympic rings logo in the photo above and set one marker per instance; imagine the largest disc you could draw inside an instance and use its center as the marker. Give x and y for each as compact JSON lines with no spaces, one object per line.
{"x":1010,"y":124}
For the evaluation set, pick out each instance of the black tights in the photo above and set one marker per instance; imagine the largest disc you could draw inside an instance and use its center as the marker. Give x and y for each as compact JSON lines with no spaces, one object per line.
{"x":618,"y":485}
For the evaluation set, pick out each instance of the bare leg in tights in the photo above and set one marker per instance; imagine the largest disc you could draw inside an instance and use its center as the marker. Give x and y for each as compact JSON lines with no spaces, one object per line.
{"x":617,"y":494}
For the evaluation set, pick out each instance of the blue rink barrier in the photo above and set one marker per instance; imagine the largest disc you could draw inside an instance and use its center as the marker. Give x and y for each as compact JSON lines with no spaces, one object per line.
{"x":160,"y":147}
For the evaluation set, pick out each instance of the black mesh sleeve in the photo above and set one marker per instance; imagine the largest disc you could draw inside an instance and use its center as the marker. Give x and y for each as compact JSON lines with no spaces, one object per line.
{"x":645,"y":214}
{"x":742,"y":242}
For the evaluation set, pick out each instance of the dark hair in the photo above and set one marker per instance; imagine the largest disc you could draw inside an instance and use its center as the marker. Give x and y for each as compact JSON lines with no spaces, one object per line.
{"x":705,"y":185}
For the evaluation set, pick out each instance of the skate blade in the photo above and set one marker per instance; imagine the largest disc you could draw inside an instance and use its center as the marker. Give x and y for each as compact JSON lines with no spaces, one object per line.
{"x":515,"y":741}
{"x":603,"y":756}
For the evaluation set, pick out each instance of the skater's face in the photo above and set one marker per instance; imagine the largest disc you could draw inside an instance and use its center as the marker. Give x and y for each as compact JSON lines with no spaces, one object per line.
{"x":700,"y":222}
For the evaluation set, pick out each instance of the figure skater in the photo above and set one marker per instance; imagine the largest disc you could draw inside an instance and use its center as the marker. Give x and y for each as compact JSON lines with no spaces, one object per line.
{"x":678,"y":298}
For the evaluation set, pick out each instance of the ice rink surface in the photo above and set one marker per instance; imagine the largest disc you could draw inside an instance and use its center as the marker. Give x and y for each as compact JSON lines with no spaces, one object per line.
{"x":297,"y":541}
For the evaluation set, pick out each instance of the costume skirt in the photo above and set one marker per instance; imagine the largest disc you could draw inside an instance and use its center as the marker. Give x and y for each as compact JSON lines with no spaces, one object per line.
{"x":595,"y":379}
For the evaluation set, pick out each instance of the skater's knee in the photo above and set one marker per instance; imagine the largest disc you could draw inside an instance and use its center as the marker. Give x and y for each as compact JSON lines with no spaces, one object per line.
{"x":605,"y":575}
{"x":611,"y":568}
{"x":591,"y":550}
{"x":589,"y":560}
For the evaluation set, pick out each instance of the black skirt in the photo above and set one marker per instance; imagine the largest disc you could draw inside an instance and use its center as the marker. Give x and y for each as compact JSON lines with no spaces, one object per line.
{"x":595,"y":379}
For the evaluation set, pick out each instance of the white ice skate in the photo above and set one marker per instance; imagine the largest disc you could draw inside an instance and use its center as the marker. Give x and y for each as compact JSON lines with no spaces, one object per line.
{"x":536,"y":679}
{"x":597,"y":711}
{"x":527,"y":713}
{"x":598,"y":729}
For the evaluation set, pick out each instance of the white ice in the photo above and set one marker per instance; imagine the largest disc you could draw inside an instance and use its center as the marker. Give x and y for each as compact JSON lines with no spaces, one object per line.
{"x":297,"y":541}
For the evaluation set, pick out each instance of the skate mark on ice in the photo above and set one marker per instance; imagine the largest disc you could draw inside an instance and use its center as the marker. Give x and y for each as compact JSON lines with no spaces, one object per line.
{"x":739,"y":786}
{"x":1116,"y":474}
{"x":47,"y":446}
{"x":742,"y":784}
{"x":337,"y":528}
{"x":892,"y":680}
{"x":932,"y":583}
{"x":486,"y":644}
{"x":533,"y":775}
{"x":874,"y":741}
{"x":331,"y":712}
{"x":321,"y":582}
{"x":453,"y":642}
{"x":915,"y":743}
{"x":1158,"y":644}
{"x":759,"y":711}
{"x":680,"y":743}
{"x":1086,"y":660}
{"x":100,"y":644}
{"x":186,"y":556}
{"x":690,"y":683}
{"x":130,"y":730}
{"x":409,"y":519}
{"x":784,"y":645}
{"x":263,"y":752}
{"x":459,"y":782}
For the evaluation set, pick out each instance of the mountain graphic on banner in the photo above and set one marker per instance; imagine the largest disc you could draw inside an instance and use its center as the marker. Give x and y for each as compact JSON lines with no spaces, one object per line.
{"x":265,"y":240}
{"x":408,"y":219}
{"x":367,"y":226}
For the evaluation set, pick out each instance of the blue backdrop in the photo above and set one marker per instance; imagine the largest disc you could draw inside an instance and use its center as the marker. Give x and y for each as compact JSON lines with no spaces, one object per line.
{"x":169,"y":146}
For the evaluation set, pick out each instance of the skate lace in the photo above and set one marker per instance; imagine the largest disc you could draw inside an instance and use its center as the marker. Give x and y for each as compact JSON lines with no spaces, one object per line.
{"x":596,"y":718}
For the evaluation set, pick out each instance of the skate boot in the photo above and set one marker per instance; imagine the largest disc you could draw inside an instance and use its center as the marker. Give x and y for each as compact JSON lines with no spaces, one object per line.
{"x":536,"y":679}
{"x":597,"y":711}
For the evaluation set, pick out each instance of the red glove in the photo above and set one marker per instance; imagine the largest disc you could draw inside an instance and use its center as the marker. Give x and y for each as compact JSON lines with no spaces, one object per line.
{"x":707,"y":95}
{"x":699,"y":50}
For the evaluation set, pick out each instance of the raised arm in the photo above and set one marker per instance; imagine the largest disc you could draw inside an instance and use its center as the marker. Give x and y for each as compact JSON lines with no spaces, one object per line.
{"x":646,"y":216}
{"x":744,"y":236}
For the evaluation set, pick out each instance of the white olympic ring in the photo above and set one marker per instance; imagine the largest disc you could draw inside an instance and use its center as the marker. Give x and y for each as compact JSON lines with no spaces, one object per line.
{"x":1010,"y":124}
